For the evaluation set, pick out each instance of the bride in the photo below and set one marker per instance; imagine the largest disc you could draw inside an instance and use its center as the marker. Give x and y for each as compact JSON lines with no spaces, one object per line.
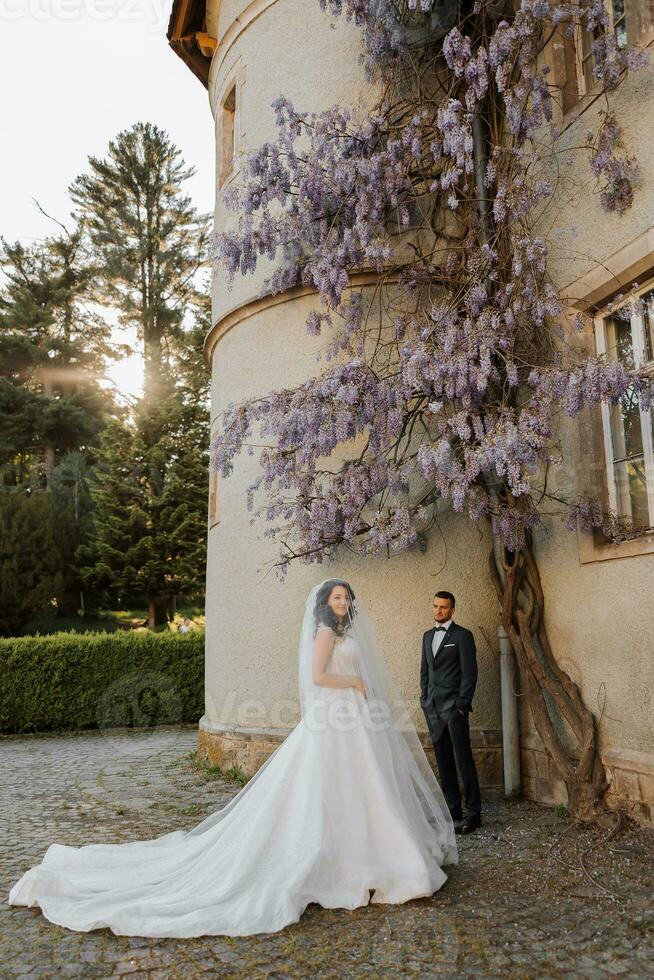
{"x":346,"y":806}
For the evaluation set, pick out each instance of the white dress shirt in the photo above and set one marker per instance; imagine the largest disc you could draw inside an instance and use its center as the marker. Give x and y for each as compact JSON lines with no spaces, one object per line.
{"x":438,"y":637}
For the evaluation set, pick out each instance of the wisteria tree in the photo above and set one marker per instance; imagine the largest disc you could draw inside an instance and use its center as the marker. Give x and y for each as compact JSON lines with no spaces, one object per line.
{"x":455,"y":388}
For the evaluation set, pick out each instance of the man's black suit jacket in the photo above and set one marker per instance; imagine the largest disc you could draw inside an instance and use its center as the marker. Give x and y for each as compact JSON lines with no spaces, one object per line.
{"x":448,"y":680}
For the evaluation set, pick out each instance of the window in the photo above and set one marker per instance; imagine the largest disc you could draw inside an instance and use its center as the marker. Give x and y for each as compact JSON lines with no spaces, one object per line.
{"x":627,"y":430}
{"x":227,"y":134}
{"x":632,"y":22}
{"x":585,"y":77}
{"x":619,"y":12}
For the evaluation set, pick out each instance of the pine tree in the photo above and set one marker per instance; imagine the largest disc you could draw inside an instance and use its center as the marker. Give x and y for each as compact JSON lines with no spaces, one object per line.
{"x":147,"y":237}
{"x":30,"y":575}
{"x":119,"y":520}
{"x":150,"y":491}
{"x":149,"y":527}
{"x":174,"y":550}
{"x":150,"y":487}
{"x":52,"y":350}
{"x":72,"y":509}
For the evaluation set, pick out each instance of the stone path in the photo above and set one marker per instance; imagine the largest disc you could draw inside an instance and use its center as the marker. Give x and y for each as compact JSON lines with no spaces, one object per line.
{"x":532,"y":897}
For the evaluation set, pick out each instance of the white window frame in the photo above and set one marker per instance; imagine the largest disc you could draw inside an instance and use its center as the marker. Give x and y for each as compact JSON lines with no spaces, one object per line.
{"x":638,"y":336}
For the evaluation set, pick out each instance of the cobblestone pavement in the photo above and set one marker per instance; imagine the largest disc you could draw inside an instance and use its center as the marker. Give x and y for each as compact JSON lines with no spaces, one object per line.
{"x":533,"y":895}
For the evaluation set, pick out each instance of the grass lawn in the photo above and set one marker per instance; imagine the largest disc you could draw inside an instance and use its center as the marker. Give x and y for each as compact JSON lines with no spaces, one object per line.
{"x":106,"y":621}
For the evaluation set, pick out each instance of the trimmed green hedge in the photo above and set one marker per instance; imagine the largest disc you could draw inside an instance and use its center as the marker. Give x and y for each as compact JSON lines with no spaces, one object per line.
{"x":69,"y":681}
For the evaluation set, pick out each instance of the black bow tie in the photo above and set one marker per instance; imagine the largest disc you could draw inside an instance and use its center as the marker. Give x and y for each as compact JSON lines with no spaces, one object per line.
{"x":441,"y":629}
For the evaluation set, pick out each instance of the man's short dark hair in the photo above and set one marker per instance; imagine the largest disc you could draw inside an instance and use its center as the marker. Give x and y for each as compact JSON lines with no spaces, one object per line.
{"x":446,"y":595}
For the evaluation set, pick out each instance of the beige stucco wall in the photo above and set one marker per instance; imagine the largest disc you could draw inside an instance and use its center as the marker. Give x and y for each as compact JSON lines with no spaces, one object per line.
{"x":277,"y":48}
{"x":253,"y":620}
{"x":599,"y":615}
{"x":581,"y":234}
{"x":600,"y":623}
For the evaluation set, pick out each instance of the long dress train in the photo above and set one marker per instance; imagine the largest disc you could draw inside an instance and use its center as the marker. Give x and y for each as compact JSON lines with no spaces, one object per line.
{"x":330,"y":818}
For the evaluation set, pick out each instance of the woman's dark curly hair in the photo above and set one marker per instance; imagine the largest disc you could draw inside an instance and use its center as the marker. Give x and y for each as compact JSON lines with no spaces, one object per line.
{"x":323,"y":613}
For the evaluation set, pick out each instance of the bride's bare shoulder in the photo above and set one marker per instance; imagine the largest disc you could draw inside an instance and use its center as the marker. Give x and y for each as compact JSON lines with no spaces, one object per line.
{"x":325,"y":636}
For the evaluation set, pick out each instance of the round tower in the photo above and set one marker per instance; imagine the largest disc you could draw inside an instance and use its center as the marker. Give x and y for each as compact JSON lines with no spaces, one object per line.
{"x":259,"y":50}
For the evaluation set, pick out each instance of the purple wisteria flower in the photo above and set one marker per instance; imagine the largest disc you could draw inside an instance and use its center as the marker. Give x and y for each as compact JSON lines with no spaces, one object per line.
{"x":448,"y":380}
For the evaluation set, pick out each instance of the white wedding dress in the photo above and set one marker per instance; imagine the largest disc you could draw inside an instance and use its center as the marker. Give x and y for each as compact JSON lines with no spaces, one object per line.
{"x":329,"y":818}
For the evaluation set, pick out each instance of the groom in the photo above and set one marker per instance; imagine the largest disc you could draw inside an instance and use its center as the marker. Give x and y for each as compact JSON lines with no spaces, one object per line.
{"x":448,"y":676}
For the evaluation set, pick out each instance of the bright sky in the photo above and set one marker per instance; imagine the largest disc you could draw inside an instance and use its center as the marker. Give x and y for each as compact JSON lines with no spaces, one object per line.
{"x":73,"y":73}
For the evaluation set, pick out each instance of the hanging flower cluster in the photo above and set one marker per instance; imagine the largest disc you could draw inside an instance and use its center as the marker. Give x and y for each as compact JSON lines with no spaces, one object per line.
{"x":449,"y":382}
{"x":612,"y":166}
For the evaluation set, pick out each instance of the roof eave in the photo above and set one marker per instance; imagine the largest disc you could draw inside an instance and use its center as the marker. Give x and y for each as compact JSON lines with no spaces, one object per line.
{"x":188,"y":37}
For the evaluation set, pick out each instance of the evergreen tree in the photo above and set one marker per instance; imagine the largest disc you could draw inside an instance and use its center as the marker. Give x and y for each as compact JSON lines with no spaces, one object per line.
{"x":149,"y":528}
{"x":149,"y":492}
{"x":72,"y":509}
{"x":52,"y":350}
{"x":30,"y":575}
{"x":119,"y":519}
{"x":147,"y":237}
{"x":177,"y":549}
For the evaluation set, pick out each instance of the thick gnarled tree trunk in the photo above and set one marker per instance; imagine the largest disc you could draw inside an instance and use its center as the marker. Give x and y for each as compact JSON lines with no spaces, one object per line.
{"x":517,"y":582}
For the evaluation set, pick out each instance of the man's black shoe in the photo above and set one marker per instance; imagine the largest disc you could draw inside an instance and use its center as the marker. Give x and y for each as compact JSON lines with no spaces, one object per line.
{"x":468,"y":826}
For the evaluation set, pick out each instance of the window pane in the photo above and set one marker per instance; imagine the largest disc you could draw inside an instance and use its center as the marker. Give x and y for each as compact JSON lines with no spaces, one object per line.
{"x":626,"y":432}
{"x":632,"y":490}
{"x":620,"y":23}
{"x":570,"y":90}
{"x":619,"y":342}
{"x":587,"y":60}
{"x":626,"y":421}
{"x":648,"y":324}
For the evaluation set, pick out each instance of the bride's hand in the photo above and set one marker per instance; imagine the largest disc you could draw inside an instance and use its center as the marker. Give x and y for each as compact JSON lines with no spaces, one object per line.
{"x":360,"y":687}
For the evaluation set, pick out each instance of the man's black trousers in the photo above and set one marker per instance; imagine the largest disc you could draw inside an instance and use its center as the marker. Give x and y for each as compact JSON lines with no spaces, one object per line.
{"x":451,"y":740}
